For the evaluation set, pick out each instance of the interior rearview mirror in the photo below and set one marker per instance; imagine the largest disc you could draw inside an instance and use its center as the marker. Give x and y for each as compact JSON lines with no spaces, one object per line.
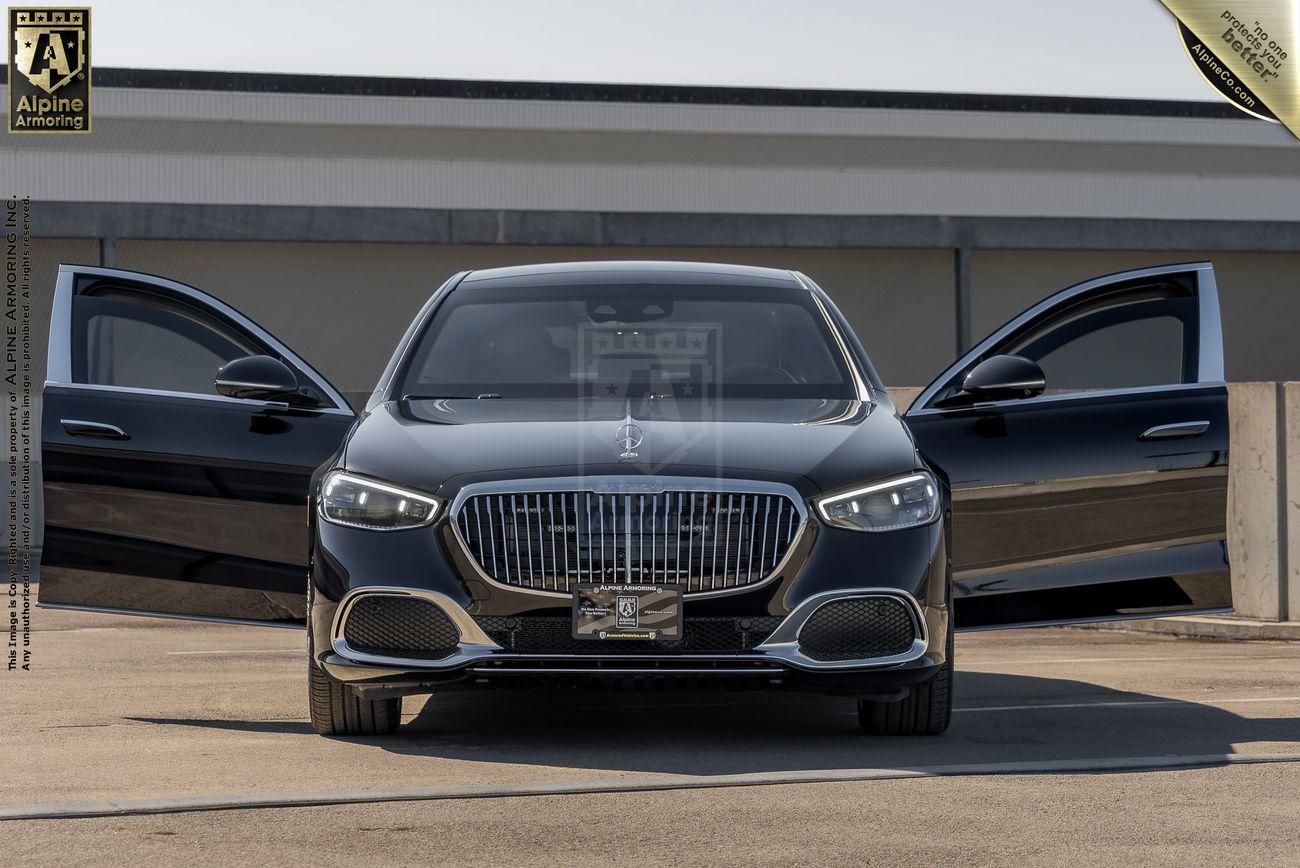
{"x":257,"y":377}
{"x":1001,"y":377}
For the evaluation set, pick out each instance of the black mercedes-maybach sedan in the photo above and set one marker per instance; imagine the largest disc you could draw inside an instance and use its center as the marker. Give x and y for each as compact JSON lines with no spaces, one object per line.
{"x":637,"y":473}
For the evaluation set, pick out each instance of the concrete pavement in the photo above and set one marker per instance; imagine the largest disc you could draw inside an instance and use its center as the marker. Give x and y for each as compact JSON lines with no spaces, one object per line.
{"x":134,"y":709}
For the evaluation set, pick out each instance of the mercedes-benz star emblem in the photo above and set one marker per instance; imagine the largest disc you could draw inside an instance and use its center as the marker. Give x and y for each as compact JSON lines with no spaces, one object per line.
{"x":629,"y":437}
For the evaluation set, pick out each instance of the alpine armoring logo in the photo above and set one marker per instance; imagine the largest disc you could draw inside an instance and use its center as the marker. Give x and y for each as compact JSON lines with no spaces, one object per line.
{"x":49,"y":70}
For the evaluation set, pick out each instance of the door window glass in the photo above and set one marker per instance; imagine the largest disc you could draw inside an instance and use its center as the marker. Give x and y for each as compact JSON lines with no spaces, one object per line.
{"x":1145,"y":341}
{"x":137,"y":339}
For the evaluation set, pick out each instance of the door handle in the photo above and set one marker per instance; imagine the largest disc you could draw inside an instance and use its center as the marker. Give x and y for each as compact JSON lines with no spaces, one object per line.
{"x":102,"y":430}
{"x":1175,"y":429}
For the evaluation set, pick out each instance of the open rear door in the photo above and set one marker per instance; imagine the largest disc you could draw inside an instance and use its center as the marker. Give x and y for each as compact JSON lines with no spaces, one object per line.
{"x":1105,"y":496}
{"x":161,"y":496}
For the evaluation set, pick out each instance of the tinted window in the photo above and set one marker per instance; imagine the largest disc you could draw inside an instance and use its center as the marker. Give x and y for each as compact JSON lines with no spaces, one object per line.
{"x":1148,"y":341}
{"x":1146,"y":352}
{"x":124,"y":337}
{"x":750,"y":342}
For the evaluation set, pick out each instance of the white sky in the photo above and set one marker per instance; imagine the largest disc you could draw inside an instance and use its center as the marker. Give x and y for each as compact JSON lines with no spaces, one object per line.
{"x":1093,"y":48}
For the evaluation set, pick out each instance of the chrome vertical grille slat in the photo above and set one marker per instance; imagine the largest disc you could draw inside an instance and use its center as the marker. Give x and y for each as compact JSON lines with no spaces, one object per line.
{"x":677,"y":553}
{"x":753,"y":524}
{"x":713,"y":567}
{"x":703,"y":540}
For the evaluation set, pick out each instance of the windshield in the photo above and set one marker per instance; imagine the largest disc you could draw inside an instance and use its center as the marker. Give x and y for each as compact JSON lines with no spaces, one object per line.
{"x":625,"y":341}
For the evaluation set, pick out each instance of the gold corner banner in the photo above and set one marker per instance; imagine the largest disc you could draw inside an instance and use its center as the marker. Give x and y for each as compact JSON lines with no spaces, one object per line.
{"x":1246,"y":50}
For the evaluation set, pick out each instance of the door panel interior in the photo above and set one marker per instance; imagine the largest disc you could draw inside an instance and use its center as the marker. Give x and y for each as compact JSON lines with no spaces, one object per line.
{"x":161,"y":496}
{"x":1065,"y":506}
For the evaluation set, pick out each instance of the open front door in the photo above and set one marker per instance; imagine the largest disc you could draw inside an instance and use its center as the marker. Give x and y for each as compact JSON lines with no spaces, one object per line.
{"x":1103,"y":496}
{"x":161,"y":495}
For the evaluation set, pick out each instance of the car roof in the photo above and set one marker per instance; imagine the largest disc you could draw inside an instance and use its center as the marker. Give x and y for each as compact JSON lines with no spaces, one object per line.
{"x":630,"y":271}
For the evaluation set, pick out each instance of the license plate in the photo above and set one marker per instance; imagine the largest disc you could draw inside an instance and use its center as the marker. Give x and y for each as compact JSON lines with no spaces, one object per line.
{"x":627,"y":612}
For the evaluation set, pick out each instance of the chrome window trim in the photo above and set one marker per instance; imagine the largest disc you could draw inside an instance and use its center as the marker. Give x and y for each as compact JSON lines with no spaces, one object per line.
{"x":1209,"y":337}
{"x":59,"y":352}
{"x":628,"y":485}
{"x":859,"y":381}
{"x":196,"y":396}
{"x":1210,"y":340}
{"x":1040,"y":400}
{"x":783,"y":644}
{"x":474,"y":643}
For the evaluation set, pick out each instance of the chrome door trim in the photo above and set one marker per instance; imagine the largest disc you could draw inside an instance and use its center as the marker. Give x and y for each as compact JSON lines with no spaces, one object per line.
{"x":250,"y":403}
{"x":627,"y":485}
{"x":59,"y":352}
{"x":1175,"y":429}
{"x":1209,"y":338}
{"x":474,"y":643}
{"x":1041,"y":400}
{"x":93,"y":429}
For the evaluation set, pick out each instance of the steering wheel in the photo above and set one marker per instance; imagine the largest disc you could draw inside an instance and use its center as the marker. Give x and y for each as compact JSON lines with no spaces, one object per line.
{"x":757,"y":373}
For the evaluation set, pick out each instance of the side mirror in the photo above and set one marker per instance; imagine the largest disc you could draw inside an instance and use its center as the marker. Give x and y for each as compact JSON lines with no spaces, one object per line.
{"x":261,"y":378}
{"x":1000,"y":377}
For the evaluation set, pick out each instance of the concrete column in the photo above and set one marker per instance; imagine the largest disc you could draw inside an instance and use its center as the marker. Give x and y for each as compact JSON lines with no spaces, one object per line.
{"x":1290,"y":498}
{"x":108,"y":251}
{"x":1257,"y":547}
{"x":961,"y":297}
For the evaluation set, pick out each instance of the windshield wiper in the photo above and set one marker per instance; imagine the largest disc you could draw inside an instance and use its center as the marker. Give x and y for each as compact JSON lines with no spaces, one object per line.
{"x":481,"y":397}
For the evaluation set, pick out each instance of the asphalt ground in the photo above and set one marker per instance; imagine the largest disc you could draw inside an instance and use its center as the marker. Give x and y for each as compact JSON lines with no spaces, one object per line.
{"x":148,"y":739}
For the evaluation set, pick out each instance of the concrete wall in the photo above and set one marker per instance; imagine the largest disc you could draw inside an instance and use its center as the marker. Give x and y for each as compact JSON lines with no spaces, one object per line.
{"x":361,"y":296}
{"x":218,"y":145}
{"x":343,"y":306}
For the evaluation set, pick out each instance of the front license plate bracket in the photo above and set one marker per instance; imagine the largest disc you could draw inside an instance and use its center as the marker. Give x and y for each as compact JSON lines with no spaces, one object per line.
{"x":616,"y":611}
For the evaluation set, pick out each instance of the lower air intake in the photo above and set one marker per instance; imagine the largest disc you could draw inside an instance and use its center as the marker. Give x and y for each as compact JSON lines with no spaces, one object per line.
{"x":392,"y":626}
{"x":859,"y":629}
{"x":544,"y":634}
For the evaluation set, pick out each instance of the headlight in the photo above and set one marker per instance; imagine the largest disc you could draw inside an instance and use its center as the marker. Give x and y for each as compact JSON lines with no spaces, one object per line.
{"x":898,"y":503}
{"x":358,"y":502}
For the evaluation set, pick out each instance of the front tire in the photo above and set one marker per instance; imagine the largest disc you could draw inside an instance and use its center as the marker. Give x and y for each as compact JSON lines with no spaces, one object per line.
{"x":337,"y":709}
{"x":927,"y":710}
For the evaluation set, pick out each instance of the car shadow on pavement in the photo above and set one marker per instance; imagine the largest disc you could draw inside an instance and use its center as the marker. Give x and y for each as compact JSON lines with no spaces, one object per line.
{"x":271,"y":726}
{"x":999,"y":718}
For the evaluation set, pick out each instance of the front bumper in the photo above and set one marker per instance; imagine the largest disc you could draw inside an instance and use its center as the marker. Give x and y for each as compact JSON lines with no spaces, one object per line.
{"x":828,"y":565}
{"x":781,"y":650}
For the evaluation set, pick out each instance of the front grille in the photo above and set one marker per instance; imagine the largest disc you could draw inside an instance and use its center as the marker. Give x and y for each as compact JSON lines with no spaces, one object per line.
{"x":400,"y":626}
{"x":553,"y":634}
{"x":701,"y":540}
{"x":859,"y":629}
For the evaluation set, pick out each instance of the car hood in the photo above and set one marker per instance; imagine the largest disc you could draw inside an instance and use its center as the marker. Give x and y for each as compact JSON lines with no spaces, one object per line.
{"x":813,"y":444}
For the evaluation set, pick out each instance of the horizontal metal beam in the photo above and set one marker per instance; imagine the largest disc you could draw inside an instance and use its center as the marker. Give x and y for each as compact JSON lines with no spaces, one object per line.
{"x":613,"y":229}
{"x":558,"y":91}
